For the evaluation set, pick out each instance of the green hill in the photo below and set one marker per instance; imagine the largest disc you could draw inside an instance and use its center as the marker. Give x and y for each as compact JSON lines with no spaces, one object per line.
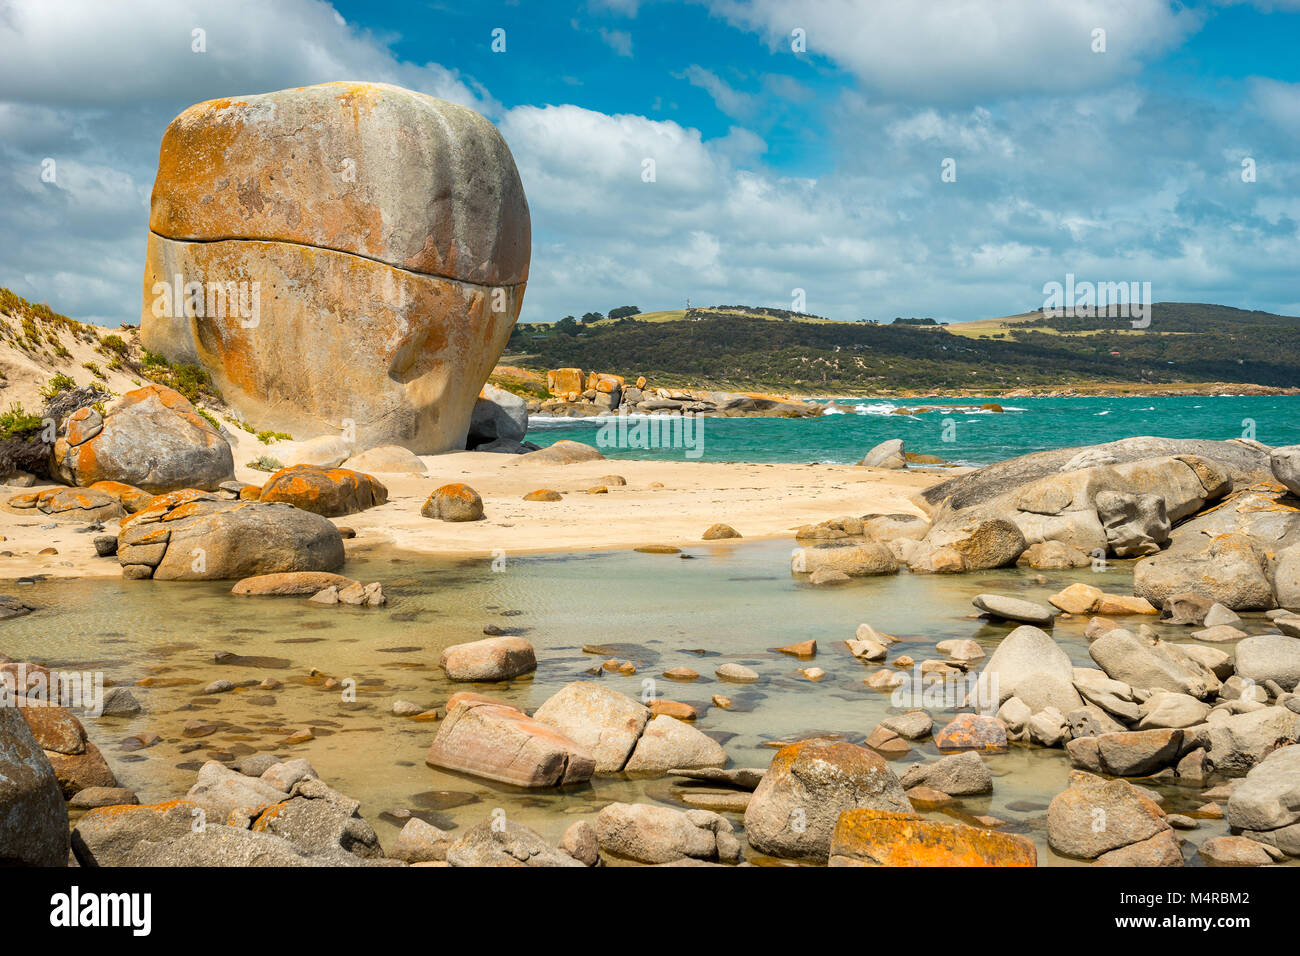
{"x":740,"y":347}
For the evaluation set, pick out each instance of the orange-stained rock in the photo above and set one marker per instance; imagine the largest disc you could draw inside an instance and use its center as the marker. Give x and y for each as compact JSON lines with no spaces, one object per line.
{"x":324,"y":491}
{"x":543,"y":494}
{"x":78,"y":504}
{"x":882,"y":838}
{"x":805,"y":789}
{"x":76,"y":772}
{"x":194,"y":535}
{"x":290,"y":583}
{"x":454,"y":502}
{"x":802,"y":649}
{"x":375,"y":240}
{"x":972,"y":732}
{"x":565,"y":381}
{"x":131,"y":498}
{"x":370,"y":169}
{"x":672,"y":708}
{"x":152,"y":439}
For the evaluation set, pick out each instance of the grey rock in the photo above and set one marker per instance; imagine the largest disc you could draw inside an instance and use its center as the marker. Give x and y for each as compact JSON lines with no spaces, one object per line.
{"x":581,"y":842}
{"x":421,"y":842}
{"x":1025,"y":652}
{"x":1273,"y":657}
{"x":957,"y":775}
{"x":1284,"y":462}
{"x":1135,"y":524}
{"x":120,"y":702}
{"x":220,"y":790}
{"x":888,"y":454}
{"x":655,"y":834}
{"x":1014,"y":609}
{"x":33,"y":817}
{"x":499,"y":841}
{"x":1127,"y":658}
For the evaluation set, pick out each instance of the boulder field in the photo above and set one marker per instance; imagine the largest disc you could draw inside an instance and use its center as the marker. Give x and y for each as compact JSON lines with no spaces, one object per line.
{"x":360,"y":253}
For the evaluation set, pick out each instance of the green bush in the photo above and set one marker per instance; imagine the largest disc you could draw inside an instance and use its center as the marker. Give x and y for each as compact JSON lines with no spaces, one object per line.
{"x":60,"y":383}
{"x":17,"y":423}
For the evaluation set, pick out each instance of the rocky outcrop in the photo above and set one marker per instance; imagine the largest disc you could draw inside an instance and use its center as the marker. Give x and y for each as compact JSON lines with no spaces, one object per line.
{"x":388,"y":228}
{"x":196,"y":536}
{"x":1244,"y":461}
{"x":1124,"y":508}
{"x":500,"y":841}
{"x":1230,"y":569}
{"x":324,"y":491}
{"x":71,"y":504}
{"x":153,"y":439}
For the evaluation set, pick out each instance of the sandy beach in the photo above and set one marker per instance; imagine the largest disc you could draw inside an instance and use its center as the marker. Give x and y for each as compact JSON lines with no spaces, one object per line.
{"x":758,"y":500}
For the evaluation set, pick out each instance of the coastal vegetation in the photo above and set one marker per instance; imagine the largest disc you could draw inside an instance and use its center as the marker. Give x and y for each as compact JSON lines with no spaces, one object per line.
{"x":776,"y":350}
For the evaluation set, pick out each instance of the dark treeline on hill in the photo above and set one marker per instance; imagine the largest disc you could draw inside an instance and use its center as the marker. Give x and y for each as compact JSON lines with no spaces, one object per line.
{"x":771,"y":350}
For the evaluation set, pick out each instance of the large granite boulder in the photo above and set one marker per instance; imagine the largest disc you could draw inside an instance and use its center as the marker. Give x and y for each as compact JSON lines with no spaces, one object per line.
{"x":153,"y":439}
{"x":376,"y":241}
{"x":33,"y":816}
{"x":193,"y":535}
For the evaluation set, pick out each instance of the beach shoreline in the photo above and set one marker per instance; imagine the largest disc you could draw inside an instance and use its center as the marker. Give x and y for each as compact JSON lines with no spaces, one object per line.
{"x":761,"y":501}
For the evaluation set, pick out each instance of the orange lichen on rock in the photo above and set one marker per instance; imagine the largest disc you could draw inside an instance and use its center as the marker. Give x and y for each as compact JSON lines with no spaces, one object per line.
{"x":883,"y":838}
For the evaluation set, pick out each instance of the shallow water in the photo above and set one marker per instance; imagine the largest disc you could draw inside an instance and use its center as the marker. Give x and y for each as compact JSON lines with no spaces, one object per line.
{"x":735,"y":602}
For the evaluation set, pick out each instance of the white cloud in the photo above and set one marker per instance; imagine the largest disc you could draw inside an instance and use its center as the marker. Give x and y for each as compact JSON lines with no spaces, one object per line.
{"x":620,"y":41}
{"x":85,"y":52}
{"x":961,"y":50}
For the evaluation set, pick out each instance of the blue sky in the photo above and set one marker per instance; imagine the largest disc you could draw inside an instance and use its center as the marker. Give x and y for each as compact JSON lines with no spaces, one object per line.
{"x":776,"y":170}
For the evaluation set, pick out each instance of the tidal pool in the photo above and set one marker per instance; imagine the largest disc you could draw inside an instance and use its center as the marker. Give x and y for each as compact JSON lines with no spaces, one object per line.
{"x":734,"y":602}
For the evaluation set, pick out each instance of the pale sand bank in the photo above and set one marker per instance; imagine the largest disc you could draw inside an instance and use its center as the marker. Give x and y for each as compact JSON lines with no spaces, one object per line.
{"x":758,"y":500}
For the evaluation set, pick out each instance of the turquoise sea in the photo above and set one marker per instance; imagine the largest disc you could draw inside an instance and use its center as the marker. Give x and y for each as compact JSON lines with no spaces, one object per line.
{"x":974,"y":438}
